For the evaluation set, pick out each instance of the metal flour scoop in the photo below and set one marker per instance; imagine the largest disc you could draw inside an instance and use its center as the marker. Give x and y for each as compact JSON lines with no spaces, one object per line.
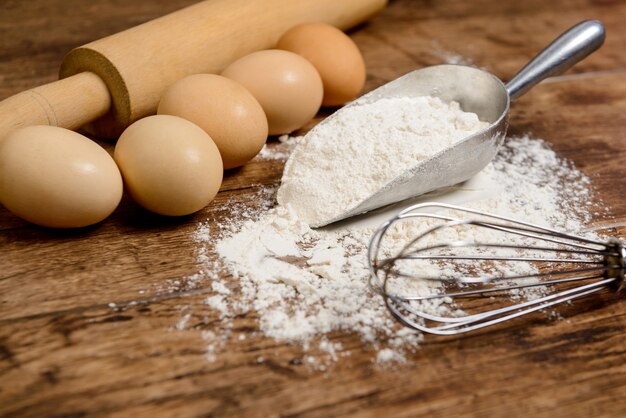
{"x":479,"y":92}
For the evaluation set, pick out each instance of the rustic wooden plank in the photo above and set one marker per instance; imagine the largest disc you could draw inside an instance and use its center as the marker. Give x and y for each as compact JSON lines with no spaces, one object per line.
{"x":583,"y":119}
{"x":63,"y":351}
{"x":34,"y":36}
{"x":134,"y":255}
{"x":425,"y":33}
{"x":92,"y":363}
{"x":546,"y":354}
{"x":134,"y":251}
{"x":497,"y":36}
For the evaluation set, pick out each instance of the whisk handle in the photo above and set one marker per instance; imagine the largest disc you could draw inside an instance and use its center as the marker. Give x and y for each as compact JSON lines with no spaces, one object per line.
{"x":572,"y":46}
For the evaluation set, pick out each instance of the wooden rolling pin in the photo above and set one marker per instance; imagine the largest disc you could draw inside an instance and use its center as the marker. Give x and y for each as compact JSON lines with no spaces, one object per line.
{"x":116,"y":80}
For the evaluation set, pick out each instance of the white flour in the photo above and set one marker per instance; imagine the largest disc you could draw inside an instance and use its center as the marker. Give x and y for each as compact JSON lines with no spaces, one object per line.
{"x":305,"y":283}
{"x":361,"y":148}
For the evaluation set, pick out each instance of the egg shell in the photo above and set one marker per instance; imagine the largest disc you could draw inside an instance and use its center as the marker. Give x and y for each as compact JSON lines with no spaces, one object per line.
{"x":335,"y":56}
{"x":228,"y":112}
{"x":57,"y":178}
{"x":170,"y":165}
{"x":288,"y":87}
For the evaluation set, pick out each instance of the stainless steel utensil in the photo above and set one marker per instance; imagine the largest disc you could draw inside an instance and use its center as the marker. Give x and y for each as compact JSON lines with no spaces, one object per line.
{"x":477,"y":91}
{"x":472,"y":274}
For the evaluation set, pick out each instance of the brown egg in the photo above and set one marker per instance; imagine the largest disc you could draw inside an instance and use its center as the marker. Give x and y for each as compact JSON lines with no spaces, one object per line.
{"x":335,"y":56}
{"x":228,"y":112}
{"x":288,"y":87}
{"x":57,"y":178}
{"x":170,"y":165}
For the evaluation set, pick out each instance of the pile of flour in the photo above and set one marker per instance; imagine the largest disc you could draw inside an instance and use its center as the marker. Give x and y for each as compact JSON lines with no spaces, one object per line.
{"x":305,"y":283}
{"x":359,"y":149}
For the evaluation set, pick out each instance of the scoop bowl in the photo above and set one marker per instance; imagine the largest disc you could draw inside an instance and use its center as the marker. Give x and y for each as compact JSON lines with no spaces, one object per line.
{"x":476,"y":91}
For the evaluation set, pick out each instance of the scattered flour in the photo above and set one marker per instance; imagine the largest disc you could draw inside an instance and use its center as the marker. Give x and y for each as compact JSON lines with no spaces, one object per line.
{"x":302,"y":284}
{"x":361,"y":148}
{"x":280,"y":151}
{"x":387,"y":355}
{"x":305,"y":283}
{"x":448,"y":56}
{"x":451,"y":57}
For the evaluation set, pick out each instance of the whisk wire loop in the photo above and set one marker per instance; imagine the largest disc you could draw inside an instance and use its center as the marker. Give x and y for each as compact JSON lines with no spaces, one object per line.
{"x":466,"y":269}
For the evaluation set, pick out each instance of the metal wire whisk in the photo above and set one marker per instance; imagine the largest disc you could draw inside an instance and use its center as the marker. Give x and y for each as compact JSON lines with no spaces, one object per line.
{"x":465,"y":269}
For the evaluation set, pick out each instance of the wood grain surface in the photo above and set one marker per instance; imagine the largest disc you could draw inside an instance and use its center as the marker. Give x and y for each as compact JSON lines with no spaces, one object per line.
{"x":88,"y":318}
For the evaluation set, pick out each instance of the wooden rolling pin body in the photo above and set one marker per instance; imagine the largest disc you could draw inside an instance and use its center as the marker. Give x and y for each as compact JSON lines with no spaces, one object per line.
{"x":138,"y":64}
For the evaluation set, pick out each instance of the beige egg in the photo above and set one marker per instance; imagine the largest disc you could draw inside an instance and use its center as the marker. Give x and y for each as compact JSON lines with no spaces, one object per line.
{"x":288,"y":87}
{"x":57,"y":178}
{"x":170,"y":165}
{"x":335,"y":56}
{"x":228,"y":112}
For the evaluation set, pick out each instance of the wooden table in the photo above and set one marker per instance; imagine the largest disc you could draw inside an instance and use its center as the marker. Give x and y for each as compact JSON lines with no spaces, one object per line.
{"x":65,"y":352}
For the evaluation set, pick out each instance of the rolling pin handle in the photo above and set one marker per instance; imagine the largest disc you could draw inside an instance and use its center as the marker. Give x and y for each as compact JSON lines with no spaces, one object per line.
{"x":69,"y":103}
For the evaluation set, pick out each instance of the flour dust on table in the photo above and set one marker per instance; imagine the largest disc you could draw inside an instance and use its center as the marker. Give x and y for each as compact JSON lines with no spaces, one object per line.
{"x":304,"y":283}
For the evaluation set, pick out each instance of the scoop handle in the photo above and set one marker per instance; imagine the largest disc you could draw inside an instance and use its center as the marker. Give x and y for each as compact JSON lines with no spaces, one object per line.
{"x":572,"y":46}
